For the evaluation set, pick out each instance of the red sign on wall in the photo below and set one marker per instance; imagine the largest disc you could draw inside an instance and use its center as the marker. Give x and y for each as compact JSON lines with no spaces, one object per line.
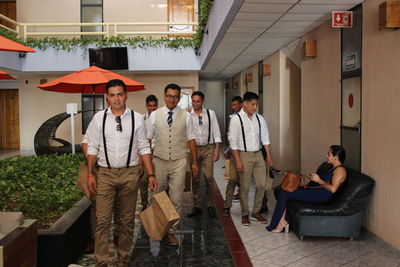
{"x":342,"y":19}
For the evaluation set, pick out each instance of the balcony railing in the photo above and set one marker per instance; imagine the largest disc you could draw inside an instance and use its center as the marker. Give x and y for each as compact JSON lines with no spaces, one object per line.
{"x":24,"y":30}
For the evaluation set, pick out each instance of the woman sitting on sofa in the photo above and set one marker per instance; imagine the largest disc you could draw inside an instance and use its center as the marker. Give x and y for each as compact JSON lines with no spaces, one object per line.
{"x":319,"y":190}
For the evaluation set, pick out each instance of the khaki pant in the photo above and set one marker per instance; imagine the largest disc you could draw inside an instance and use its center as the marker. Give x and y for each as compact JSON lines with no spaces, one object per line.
{"x":206,"y":158}
{"x":253,"y":165}
{"x":115,"y":185}
{"x":230,"y":191}
{"x":232,"y":182}
{"x":171,"y":175}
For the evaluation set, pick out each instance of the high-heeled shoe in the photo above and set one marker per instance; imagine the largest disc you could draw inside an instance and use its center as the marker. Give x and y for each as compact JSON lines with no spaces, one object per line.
{"x":281,"y":227}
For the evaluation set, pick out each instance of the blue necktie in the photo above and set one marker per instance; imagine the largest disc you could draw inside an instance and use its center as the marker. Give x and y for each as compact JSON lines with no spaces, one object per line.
{"x":169,"y":119}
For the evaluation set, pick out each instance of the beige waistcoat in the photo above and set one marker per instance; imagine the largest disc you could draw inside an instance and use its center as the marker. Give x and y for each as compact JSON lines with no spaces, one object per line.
{"x":170,"y":142}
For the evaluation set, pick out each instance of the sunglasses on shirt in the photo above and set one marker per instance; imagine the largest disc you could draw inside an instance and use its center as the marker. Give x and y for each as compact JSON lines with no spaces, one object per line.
{"x":119,"y":125}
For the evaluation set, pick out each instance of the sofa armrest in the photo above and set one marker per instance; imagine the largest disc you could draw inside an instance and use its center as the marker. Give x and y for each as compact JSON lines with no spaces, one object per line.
{"x":310,"y":209}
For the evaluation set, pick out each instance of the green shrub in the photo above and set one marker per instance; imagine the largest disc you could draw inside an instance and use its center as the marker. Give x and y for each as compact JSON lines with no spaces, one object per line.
{"x":43,"y":187}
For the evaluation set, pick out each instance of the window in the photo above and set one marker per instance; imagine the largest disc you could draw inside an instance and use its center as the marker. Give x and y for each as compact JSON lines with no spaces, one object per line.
{"x":92,"y":11}
{"x":91,"y":103}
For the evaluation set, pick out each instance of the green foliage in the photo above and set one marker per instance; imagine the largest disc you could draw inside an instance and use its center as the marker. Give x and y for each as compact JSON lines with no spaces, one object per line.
{"x":204,"y":12}
{"x":72,"y":44}
{"x":43,"y":187}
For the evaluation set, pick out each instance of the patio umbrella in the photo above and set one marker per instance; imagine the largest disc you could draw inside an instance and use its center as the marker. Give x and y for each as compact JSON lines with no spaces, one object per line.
{"x":8,"y":45}
{"x":5,"y":76}
{"x":87,"y":81}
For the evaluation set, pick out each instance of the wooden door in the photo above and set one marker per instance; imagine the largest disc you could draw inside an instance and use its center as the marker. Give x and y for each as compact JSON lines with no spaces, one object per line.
{"x":9,"y":119}
{"x":8,"y":9}
{"x":180,"y":11}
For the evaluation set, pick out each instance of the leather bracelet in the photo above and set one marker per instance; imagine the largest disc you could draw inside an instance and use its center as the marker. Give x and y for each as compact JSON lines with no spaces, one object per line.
{"x":90,"y":175}
{"x":151,"y":175}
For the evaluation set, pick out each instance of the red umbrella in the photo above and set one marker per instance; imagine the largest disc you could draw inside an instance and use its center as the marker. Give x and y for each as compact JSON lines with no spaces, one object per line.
{"x":5,"y":76}
{"x":8,"y":45}
{"x":90,"y":80}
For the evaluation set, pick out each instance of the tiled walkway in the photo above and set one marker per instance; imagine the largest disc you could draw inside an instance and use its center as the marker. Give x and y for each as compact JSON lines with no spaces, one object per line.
{"x":205,"y":243}
{"x":285,"y":249}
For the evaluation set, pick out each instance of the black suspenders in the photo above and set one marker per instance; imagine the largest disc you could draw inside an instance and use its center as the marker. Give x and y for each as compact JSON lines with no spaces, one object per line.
{"x":241,"y":124}
{"x":209,"y":126}
{"x":130,"y":143}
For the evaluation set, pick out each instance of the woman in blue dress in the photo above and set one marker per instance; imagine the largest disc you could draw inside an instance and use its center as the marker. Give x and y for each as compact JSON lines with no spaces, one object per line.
{"x":319,"y":190}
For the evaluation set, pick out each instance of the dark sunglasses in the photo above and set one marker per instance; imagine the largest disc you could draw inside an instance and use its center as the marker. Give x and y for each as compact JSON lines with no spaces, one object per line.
{"x":119,"y":125}
{"x":200,"y":120}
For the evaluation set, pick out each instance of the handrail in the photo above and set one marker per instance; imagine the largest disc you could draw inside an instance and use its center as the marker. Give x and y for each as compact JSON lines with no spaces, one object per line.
{"x":16,"y":24}
{"x":107,"y":26}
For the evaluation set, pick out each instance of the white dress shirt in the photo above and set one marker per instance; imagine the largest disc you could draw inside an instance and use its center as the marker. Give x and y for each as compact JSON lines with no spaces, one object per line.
{"x":150,"y":123}
{"x":251,"y":130}
{"x":201,"y":131}
{"x":117,"y":142}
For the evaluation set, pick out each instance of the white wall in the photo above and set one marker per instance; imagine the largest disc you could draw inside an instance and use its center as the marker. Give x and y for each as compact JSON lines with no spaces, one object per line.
{"x":215,"y":100}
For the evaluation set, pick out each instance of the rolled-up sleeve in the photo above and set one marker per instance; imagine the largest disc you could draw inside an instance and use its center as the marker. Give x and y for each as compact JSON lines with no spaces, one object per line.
{"x":233,"y":136}
{"x":264,"y":132}
{"x":190,"y":133}
{"x":150,"y":122}
{"x":143,"y":143}
{"x":215,"y":130}
{"x":93,"y":136}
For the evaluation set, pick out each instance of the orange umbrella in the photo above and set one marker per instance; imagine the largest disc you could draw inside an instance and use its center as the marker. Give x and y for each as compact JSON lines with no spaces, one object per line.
{"x":5,"y":76}
{"x":8,"y":45}
{"x":90,"y":80}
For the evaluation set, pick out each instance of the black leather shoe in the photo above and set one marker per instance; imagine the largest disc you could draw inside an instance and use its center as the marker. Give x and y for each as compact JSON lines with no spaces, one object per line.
{"x":211,"y":212}
{"x":226,"y":212}
{"x":195,"y":211}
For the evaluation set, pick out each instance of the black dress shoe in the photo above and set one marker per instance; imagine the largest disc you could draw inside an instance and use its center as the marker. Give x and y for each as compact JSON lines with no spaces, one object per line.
{"x":195,"y":211}
{"x":226,"y":212}
{"x":211,"y":212}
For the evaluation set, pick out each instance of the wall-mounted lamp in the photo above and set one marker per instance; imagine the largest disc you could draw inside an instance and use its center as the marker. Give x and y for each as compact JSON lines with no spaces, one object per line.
{"x":266,"y":69}
{"x":389,"y":15}
{"x":22,"y":54}
{"x":310,"y":48}
{"x":249,"y":77}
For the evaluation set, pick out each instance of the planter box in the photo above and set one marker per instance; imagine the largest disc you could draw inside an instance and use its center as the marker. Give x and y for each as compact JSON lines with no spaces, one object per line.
{"x":18,"y":247}
{"x":66,"y":240}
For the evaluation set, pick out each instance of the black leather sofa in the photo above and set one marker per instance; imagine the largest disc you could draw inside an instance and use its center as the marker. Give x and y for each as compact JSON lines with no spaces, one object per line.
{"x":342,"y":216}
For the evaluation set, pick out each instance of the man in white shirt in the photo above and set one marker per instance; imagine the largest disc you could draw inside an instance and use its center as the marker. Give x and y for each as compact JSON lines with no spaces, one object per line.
{"x":172,"y":131}
{"x":116,"y":139}
{"x":151,"y":105}
{"x":208,"y":139}
{"x":248,"y":131}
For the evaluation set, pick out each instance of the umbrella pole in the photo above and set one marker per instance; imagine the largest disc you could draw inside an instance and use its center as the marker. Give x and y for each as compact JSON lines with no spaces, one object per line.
{"x":94,"y":99}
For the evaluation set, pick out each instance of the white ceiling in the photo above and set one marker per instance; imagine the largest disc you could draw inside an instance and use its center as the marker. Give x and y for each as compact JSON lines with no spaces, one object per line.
{"x":261,"y":27}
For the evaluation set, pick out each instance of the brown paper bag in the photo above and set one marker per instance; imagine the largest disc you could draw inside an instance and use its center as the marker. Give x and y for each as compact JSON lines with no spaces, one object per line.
{"x":230,"y":170}
{"x":81,"y":180}
{"x":269,"y":182}
{"x":159,"y":217}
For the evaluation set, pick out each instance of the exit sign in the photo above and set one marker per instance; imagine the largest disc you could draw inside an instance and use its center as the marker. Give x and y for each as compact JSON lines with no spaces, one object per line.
{"x":342,"y":19}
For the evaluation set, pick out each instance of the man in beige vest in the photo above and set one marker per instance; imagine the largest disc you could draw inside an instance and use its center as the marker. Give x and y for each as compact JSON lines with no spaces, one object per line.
{"x":208,"y":139}
{"x":172,"y":129}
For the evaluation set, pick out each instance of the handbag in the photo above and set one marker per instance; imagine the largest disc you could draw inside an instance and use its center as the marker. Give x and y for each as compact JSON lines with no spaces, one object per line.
{"x":291,"y":181}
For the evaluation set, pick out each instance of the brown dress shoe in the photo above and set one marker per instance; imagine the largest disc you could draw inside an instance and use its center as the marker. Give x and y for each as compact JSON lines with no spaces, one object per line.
{"x":257,"y":217}
{"x":172,"y":241}
{"x":245,"y":220}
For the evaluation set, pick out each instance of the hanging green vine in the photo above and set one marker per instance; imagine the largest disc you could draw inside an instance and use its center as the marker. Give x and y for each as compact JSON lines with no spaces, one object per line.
{"x":204,"y":12}
{"x":75,"y":43}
